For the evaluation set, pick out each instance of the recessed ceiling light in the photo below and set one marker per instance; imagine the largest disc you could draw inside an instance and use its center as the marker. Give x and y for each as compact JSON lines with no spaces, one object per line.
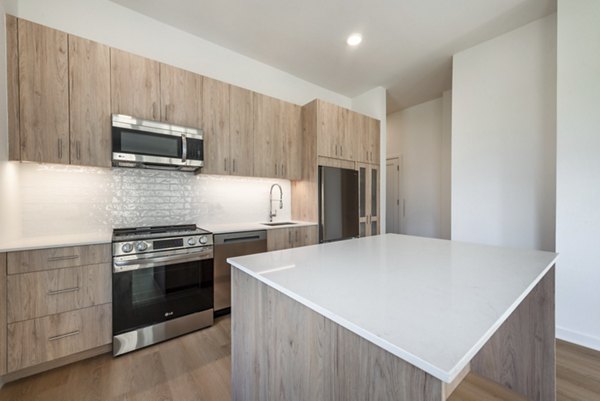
{"x":354,"y":39}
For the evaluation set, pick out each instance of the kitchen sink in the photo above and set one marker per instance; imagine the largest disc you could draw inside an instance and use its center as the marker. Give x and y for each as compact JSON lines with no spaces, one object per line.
{"x":280,"y":223}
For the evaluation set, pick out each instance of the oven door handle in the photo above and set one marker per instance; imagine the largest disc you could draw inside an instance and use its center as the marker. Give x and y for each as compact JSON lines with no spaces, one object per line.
{"x":136,"y":264}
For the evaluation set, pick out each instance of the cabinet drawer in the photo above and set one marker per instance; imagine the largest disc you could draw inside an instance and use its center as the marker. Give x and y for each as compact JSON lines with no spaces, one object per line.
{"x":57,"y":258}
{"x":33,"y":295}
{"x":41,"y":340}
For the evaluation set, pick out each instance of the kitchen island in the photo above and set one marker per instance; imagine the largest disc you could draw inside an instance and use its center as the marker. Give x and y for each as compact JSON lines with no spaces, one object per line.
{"x":391,"y":317}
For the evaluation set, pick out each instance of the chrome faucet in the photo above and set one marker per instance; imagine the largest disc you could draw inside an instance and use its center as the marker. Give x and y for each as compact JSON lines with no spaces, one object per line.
{"x":273,"y":212}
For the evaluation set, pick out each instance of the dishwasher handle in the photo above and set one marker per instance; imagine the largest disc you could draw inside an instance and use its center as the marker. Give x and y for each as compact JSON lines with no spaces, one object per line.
{"x":245,"y":236}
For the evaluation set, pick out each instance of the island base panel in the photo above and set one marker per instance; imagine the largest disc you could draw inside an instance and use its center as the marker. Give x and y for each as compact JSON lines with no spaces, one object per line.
{"x":282,"y":350}
{"x":521,"y":354}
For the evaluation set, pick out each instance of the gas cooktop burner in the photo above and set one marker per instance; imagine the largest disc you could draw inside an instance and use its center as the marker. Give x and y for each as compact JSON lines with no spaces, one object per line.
{"x":120,"y":234}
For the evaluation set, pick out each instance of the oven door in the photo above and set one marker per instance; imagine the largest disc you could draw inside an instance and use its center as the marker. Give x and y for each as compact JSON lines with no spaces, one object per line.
{"x":159,"y":288}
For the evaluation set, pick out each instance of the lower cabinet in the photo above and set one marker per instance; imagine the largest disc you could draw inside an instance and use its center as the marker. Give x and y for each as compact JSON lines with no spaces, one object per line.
{"x":36,"y":341}
{"x":291,"y":237}
{"x":57,"y":304}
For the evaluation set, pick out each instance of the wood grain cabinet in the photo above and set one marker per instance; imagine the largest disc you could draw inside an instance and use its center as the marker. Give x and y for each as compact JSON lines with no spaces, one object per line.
{"x":58,"y":304}
{"x":277,"y":138}
{"x":37,"y":294}
{"x":241,"y":136}
{"x":180,"y":96}
{"x":32,"y":342}
{"x":43,"y":93}
{"x":58,"y":95}
{"x":135,"y":85}
{"x":344,"y":134}
{"x":215,"y":116}
{"x":268,"y":141}
{"x":291,"y":237}
{"x":291,"y":125}
{"x":89,"y":103}
{"x":333,"y":125}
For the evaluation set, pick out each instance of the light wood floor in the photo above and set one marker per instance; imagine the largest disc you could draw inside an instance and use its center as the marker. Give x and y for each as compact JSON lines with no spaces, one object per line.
{"x":197,"y":367}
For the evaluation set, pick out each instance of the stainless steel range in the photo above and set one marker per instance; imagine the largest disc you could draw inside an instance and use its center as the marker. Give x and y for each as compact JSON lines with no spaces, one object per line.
{"x":162,"y":284}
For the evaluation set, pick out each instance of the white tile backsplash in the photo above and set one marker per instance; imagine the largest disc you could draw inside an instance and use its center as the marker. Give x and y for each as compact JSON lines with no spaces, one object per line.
{"x":46,"y":199}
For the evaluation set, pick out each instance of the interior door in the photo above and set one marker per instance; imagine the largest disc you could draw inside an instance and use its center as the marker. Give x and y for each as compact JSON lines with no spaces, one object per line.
{"x":392,"y":219}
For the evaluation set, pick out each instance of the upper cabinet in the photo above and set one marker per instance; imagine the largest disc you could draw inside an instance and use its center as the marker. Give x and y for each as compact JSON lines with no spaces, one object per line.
{"x":215,"y":117}
{"x":43,"y":93}
{"x":180,"y":96}
{"x":344,"y":134}
{"x":333,"y":126}
{"x":368,"y":146}
{"x":89,"y":103}
{"x":291,"y":126}
{"x":268,"y":142}
{"x":241,"y":131}
{"x":277,"y":138}
{"x":135,"y":85}
{"x":62,"y":90}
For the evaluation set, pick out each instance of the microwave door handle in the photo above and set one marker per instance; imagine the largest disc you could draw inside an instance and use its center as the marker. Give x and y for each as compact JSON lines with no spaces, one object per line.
{"x":136,"y":264}
{"x":183,"y":148}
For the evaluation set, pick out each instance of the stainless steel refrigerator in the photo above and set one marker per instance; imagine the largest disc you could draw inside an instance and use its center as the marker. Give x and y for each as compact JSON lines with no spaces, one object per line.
{"x":338,"y":204}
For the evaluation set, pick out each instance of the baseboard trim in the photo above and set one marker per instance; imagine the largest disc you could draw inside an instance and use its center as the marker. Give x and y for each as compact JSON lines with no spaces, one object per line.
{"x":43,"y":367}
{"x":578,"y":338}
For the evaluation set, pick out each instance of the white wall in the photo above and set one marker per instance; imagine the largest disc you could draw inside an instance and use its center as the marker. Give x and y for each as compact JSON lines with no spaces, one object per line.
{"x":504,"y":139}
{"x":3,"y":90}
{"x":578,"y":172}
{"x":373,"y":103}
{"x":415,"y":135}
{"x":446,"y":168}
{"x":112,"y":24}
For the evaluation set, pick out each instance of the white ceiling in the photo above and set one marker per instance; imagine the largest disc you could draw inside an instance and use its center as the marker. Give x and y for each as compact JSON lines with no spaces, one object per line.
{"x":407,"y":44}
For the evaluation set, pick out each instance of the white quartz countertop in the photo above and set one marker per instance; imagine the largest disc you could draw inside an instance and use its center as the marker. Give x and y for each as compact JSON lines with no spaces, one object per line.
{"x":239,"y":227}
{"x":53,"y":241}
{"x":433,"y":303}
{"x":64,"y":240}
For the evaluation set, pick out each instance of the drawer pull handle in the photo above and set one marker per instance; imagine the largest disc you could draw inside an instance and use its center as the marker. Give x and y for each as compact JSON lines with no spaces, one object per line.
{"x":61,"y":336}
{"x":59,"y":258}
{"x":63,"y":291}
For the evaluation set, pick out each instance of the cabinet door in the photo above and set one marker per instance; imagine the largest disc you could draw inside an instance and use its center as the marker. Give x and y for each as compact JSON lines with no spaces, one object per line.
{"x":135,"y":85}
{"x":363,"y":200}
{"x":307,"y":235}
{"x":89,"y":102}
{"x":355,"y":131}
{"x":368,"y":199}
{"x":267,"y":136}
{"x":292,"y":131}
{"x":215,"y":117}
{"x":241,"y":119}
{"x":374,"y":140}
{"x":43,"y":93}
{"x":180,"y":96}
{"x":280,"y":238}
{"x":331,"y":130}
{"x":363,"y":139}
{"x":374,"y":201}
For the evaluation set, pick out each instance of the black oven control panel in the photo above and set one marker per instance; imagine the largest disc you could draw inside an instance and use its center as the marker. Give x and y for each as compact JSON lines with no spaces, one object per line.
{"x":131,"y":247}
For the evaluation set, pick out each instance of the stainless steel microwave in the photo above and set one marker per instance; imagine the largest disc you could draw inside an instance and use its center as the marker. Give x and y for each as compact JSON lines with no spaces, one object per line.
{"x":156,"y":145}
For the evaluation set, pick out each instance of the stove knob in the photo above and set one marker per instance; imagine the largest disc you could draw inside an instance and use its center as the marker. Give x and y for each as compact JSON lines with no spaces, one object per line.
{"x":203,"y":240}
{"x":127,"y":247}
{"x":141,"y":246}
{"x":191,"y":241}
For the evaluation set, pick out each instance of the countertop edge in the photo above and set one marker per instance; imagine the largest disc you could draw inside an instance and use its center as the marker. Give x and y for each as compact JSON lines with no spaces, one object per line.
{"x":28,"y":245}
{"x":441,"y":374}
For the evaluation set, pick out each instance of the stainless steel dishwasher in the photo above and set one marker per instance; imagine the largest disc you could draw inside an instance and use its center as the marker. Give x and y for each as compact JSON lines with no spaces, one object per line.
{"x":227,"y":246}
